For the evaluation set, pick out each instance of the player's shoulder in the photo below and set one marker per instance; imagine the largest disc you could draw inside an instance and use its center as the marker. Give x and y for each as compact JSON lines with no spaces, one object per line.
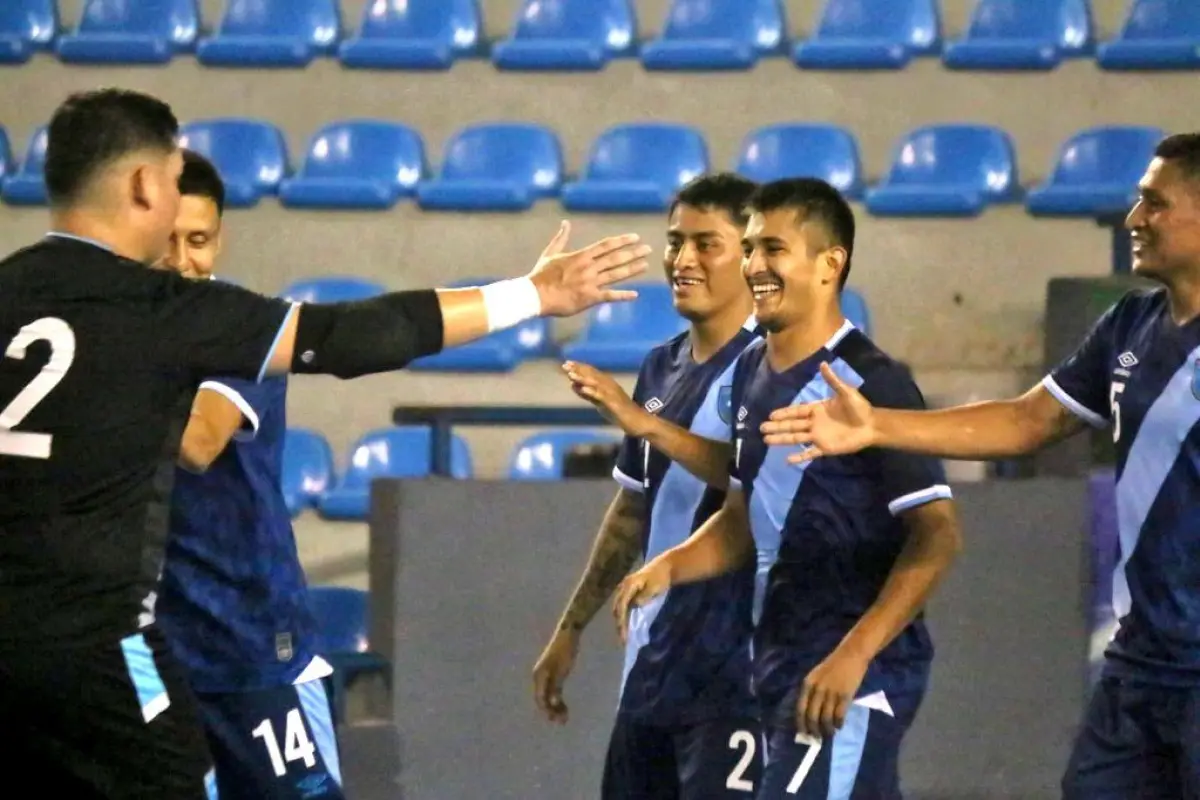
{"x":1136,"y":307}
{"x":883,"y":379}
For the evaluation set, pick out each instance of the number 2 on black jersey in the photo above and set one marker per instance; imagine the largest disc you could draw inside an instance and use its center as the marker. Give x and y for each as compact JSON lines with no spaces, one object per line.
{"x":28,"y":444}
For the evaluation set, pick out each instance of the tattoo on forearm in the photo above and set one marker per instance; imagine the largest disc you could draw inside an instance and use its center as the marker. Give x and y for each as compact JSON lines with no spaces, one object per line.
{"x":617,"y":549}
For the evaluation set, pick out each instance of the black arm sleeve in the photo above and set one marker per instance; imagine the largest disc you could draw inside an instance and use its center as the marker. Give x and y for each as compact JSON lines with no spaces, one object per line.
{"x":381,"y":334}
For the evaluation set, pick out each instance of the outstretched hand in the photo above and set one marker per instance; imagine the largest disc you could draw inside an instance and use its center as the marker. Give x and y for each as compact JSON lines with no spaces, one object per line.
{"x":842,"y":424}
{"x":571,"y":282}
{"x":602,"y":391}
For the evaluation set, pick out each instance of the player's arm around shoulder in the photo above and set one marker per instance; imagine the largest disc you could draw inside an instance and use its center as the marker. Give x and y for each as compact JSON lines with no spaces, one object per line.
{"x":220,"y":412}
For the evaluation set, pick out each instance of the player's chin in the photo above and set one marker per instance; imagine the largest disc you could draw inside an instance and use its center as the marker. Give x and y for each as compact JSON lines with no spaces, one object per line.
{"x":1145,"y":266}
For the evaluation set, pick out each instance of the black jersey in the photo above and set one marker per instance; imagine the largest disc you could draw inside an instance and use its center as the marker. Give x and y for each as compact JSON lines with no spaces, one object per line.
{"x":100,"y":360}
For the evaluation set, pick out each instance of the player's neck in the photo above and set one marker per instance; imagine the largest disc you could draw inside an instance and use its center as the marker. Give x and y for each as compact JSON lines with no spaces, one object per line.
{"x":1183,"y":296}
{"x":711,"y":334}
{"x":793,"y":344}
{"x":86,"y":225}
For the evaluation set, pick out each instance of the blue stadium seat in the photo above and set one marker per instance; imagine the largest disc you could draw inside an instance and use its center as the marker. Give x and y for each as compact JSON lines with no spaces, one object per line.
{"x":794,"y":150}
{"x":947,"y":171}
{"x":540,"y":457}
{"x":26,"y":26}
{"x":1022,"y":35}
{"x":342,"y":617}
{"x":331,"y":289}
{"x":637,"y":168}
{"x":1096,"y":173}
{"x":1156,"y":34}
{"x":131,"y":32}
{"x":307,"y":468}
{"x":418,"y":34}
{"x":498,"y":166}
{"x":855,"y":309}
{"x":396,"y":452}
{"x":617,"y":336}
{"x":6,"y":157}
{"x":357,"y":164}
{"x":251,"y":156}
{"x":501,"y":351}
{"x":27,"y":186}
{"x":716,"y":34}
{"x":272,"y":33}
{"x":568,"y":35}
{"x":871,"y":34}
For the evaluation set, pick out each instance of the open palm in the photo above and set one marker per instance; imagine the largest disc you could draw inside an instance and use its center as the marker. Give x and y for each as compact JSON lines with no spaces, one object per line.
{"x":842,"y":424}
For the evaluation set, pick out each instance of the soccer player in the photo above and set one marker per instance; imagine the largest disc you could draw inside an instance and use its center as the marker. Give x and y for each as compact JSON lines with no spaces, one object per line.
{"x":232,"y":598}
{"x":847,"y":550}
{"x":1138,"y":371}
{"x":101,"y":359}
{"x":686,"y":723}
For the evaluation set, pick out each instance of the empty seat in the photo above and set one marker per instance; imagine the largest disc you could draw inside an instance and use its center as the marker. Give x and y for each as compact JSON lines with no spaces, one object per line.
{"x":131,"y":32}
{"x":871,"y":34}
{"x":27,"y":185}
{"x":1096,"y":173}
{"x":1156,"y":34}
{"x":6,"y":157}
{"x":716,"y":34}
{"x":251,"y":156}
{"x":363,"y":164}
{"x":396,"y":452}
{"x":342,"y":617}
{"x":418,"y":34}
{"x":617,"y":336}
{"x":568,"y":35}
{"x":307,"y":468}
{"x":501,"y":351}
{"x":495,"y":166}
{"x":637,"y":168}
{"x":854,"y":308}
{"x":272,"y":33}
{"x":541,"y":457}
{"x":1022,"y":35}
{"x":947,"y":171}
{"x":792,"y":150}
{"x":331,"y":289}
{"x":26,"y":26}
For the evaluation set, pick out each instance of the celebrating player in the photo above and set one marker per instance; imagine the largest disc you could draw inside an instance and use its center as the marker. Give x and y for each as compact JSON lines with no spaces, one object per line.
{"x":1137,"y":371}
{"x":232,"y":599}
{"x":848,"y":550}
{"x":686,"y":726}
{"x":102,"y":358}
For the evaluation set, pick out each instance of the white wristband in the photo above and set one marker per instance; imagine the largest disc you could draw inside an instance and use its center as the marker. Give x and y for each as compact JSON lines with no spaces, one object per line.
{"x":510,"y":303}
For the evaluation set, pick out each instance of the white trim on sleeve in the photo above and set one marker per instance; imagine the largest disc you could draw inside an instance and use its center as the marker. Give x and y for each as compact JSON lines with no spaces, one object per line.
{"x":1071,"y":404}
{"x":235,"y":397}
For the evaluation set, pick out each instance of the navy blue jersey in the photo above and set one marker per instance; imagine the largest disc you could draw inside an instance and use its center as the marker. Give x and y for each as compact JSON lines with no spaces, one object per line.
{"x":233,"y":598}
{"x":1140,"y":373}
{"x":827,"y":532}
{"x":687,"y":656}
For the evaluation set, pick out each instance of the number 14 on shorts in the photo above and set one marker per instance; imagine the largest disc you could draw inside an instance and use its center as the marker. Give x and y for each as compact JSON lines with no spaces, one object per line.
{"x":296,"y":744}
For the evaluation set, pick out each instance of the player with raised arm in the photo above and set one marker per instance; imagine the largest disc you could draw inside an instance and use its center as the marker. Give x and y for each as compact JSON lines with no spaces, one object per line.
{"x":847,"y":552}
{"x":101,"y":361}
{"x":686,"y":723}
{"x":1138,"y":371}
{"x":233,"y":600}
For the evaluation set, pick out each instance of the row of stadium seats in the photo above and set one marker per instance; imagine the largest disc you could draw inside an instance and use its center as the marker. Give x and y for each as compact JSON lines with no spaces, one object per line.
{"x":309,"y":479}
{"x":938,"y":170}
{"x":615,"y":337}
{"x":586,"y":34}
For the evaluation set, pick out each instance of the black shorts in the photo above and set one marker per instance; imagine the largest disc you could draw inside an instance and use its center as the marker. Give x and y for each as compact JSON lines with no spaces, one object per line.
{"x":114,"y":721}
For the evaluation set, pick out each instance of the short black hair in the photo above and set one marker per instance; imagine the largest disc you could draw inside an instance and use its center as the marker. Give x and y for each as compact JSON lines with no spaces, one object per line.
{"x":200,"y":178}
{"x":724,"y":191}
{"x":818,"y":201}
{"x":90,"y":130}
{"x":1182,"y":149}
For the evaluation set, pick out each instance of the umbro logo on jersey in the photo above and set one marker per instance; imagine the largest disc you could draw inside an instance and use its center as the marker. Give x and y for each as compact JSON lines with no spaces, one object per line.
{"x":1127,"y":359}
{"x":654,"y":405}
{"x":742,"y":412}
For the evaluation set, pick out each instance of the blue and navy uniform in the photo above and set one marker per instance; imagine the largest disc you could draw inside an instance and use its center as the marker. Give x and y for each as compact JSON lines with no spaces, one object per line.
{"x":233,"y":603}
{"x":1138,"y":372}
{"x":827,"y":534}
{"x":685,"y":691}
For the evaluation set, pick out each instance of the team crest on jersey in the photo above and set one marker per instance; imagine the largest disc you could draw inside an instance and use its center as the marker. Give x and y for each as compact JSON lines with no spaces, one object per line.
{"x":1196,"y":379}
{"x":725,"y":404}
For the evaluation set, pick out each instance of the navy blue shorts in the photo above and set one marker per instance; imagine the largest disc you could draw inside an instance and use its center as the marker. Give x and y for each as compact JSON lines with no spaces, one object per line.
{"x":1137,"y":741}
{"x":859,"y":762}
{"x":273,"y":744}
{"x":711,"y":760}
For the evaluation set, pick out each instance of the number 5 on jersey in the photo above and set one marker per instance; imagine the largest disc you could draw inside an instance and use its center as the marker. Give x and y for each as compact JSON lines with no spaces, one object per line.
{"x":28,"y":444}
{"x":1114,"y":404}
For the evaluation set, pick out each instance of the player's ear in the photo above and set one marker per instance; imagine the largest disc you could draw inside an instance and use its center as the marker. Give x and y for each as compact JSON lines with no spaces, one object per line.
{"x":833,"y":261}
{"x":141,"y":191}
